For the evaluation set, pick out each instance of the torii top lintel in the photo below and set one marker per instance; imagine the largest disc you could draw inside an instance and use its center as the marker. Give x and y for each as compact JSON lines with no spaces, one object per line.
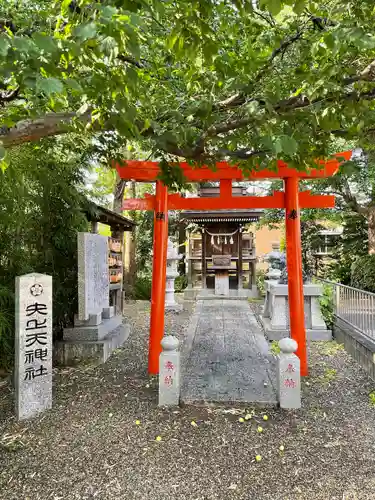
{"x":148,"y":171}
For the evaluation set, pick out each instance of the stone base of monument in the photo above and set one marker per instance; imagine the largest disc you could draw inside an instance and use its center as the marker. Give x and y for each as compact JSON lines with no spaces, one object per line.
{"x":278,"y":334}
{"x":91,"y":340}
{"x":174,"y":307}
{"x":190,"y":293}
{"x":275,"y":318}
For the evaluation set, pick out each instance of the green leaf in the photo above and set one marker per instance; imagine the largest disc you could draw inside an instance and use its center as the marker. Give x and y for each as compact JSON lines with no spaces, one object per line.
{"x":277,"y":146}
{"x":274,"y":6}
{"x":171,"y":40}
{"x":65,"y":6}
{"x":24,"y":45}
{"x":49,"y":86}
{"x":330,"y":41}
{"x":267,"y":142}
{"x":85,"y":31}
{"x":3,"y":152}
{"x":109,"y":46}
{"x":45,"y":42}
{"x":3,"y":165}
{"x":108,"y":12}
{"x":288,"y":145}
{"x":4,"y":45}
{"x":299,"y":6}
{"x":73,"y":84}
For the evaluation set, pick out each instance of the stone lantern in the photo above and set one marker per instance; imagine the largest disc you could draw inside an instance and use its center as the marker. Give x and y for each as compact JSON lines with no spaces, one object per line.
{"x":274,"y":259}
{"x":172,"y":258}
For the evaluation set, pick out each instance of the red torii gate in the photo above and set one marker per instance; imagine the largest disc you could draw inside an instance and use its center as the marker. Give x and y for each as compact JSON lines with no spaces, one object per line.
{"x":291,"y":199}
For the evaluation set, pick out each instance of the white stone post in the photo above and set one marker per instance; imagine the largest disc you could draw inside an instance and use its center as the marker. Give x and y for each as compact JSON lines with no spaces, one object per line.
{"x":33,"y":345}
{"x":172,"y":258}
{"x":169,"y":372}
{"x":289,"y":375}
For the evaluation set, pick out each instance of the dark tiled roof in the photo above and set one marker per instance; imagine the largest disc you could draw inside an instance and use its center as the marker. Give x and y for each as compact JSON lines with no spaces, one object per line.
{"x":236,"y":215}
{"x":95,"y":213}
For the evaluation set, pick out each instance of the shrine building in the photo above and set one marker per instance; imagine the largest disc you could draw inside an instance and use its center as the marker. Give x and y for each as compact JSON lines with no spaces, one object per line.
{"x":220,"y":243}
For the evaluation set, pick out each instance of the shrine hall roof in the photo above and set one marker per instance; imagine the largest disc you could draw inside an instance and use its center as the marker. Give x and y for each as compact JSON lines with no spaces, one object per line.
{"x":237,"y":215}
{"x":96,"y":213}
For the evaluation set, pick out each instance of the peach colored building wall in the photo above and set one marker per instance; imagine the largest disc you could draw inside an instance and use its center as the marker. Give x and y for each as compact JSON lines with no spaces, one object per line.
{"x":264,"y":237}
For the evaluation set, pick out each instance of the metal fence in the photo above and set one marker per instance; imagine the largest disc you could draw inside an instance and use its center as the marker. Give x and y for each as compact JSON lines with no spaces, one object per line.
{"x":354,"y":306}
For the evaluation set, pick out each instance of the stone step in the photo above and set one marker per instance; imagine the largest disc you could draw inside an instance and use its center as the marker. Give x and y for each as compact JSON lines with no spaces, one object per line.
{"x":93,"y":333}
{"x":74,"y":352}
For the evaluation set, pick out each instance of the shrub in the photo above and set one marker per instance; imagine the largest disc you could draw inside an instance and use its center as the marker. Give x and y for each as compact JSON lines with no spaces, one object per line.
{"x":326,"y":305}
{"x":363,"y":273}
{"x":180,"y":283}
{"x":260,"y":278}
{"x":6,"y":326}
{"x":42,"y":201}
{"x":142,"y":288}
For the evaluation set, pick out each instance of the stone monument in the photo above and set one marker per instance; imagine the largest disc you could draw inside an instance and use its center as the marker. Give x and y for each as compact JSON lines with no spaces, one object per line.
{"x":172,"y":258}
{"x":97,"y":330}
{"x":33,"y":345}
{"x":275,"y":318}
{"x":93,"y":275}
{"x":169,"y":372}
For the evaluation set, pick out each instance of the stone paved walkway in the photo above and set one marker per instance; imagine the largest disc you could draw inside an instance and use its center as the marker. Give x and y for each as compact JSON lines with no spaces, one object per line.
{"x":226,"y":356}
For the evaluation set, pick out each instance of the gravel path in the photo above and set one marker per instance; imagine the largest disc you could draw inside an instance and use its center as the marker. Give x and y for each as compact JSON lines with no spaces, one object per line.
{"x":89,"y":445}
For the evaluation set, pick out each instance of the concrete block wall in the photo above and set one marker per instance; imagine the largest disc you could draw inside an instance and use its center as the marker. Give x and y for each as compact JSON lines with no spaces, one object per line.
{"x":360,"y":347}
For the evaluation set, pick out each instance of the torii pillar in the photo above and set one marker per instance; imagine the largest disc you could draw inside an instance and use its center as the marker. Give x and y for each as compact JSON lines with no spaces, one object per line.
{"x":291,"y":201}
{"x":294,"y":267}
{"x":159,"y":266}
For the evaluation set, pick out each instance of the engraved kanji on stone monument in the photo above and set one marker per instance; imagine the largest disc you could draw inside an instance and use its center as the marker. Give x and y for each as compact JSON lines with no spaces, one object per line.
{"x":93,"y":274}
{"x":169,"y":372}
{"x":33,"y":344}
{"x":289,"y":378}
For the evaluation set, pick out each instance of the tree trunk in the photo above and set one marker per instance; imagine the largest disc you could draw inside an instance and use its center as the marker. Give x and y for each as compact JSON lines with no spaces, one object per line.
{"x":118,"y":195}
{"x":133,"y":244}
{"x":371,"y":230}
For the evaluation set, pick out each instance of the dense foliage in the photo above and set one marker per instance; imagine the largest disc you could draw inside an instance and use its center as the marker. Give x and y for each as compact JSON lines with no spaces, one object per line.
{"x":363,"y":273}
{"x":260,"y":282}
{"x":40,"y":214}
{"x":197,"y":80}
{"x":352,"y":244}
{"x":354,"y":190}
{"x":326,"y":305}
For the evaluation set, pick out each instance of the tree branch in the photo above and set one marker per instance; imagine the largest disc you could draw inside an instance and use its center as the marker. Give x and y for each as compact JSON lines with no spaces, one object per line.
{"x":367,"y":75}
{"x":269,"y":20}
{"x":242,"y":154}
{"x":58,"y":123}
{"x":215,"y":130}
{"x":130,"y":60}
{"x":34,"y":129}
{"x":9,"y":95}
{"x":341,"y":188}
{"x":240,"y":98}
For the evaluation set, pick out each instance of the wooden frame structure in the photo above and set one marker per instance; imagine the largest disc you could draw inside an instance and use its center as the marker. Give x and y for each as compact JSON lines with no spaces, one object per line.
{"x":291,"y":199}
